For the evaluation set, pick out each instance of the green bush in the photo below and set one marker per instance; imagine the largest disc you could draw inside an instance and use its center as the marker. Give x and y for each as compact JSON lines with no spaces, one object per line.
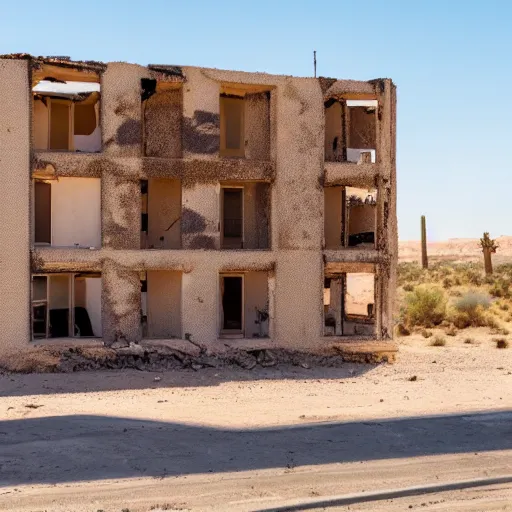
{"x":425,"y":306}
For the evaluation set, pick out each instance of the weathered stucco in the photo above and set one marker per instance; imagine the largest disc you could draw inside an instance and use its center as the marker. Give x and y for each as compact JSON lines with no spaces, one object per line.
{"x":283,"y":172}
{"x":15,"y":112}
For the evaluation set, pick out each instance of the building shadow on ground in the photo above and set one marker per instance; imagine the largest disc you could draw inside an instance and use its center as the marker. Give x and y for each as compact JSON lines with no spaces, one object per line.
{"x":77,"y":448}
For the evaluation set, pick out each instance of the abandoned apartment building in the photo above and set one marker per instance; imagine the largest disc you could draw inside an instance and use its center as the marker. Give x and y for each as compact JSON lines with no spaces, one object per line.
{"x":181,"y":203}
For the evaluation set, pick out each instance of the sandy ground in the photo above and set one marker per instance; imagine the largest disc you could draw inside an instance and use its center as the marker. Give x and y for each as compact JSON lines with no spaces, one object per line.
{"x":247,"y":440}
{"x":456,"y":249}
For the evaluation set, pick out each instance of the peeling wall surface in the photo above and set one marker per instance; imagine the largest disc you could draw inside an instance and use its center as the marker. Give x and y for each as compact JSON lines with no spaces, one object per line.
{"x":162,"y":124}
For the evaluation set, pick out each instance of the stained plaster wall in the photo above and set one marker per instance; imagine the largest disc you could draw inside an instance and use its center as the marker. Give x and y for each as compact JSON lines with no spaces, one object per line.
{"x":15,"y":238}
{"x":164,"y":209}
{"x":164,"y":304}
{"x":256,"y":215}
{"x":256,"y":296}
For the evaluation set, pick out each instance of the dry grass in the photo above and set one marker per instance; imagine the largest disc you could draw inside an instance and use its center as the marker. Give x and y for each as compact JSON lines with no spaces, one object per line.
{"x":501,"y":342}
{"x":438,"y":341}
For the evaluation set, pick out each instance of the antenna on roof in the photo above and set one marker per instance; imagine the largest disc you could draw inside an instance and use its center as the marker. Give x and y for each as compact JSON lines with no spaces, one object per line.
{"x":314,"y":61}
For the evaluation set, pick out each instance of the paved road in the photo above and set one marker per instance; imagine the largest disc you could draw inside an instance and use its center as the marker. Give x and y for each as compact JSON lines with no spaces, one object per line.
{"x":211,"y":466}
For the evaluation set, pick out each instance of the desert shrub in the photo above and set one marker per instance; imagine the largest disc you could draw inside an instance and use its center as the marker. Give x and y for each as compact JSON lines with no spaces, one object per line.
{"x":470,"y":310}
{"x":402,"y":330}
{"x":409,"y":273}
{"x":425,"y":306}
{"x":426,"y":334}
{"x":501,"y":342}
{"x":469,"y":341}
{"x":500,"y":330}
{"x":500,"y":288}
{"x":408,"y":287}
{"x":448,"y":282}
{"x":438,"y":341}
{"x":451,"y":331}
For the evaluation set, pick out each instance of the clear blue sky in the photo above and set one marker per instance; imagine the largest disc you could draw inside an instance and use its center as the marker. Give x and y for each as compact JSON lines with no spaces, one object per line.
{"x":451,"y":61}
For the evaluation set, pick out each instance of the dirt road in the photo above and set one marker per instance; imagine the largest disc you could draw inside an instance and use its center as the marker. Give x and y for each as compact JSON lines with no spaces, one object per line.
{"x":250,"y":440}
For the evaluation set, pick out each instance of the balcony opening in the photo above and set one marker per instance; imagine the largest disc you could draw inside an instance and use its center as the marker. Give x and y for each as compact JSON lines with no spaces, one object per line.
{"x":160,"y":214}
{"x":161,"y":304}
{"x":66,"y":305}
{"x":245,"y":122}
{"x":162,"y":113}
{"x":350,"y":130}
{"x":245,"y":215}
{"x":350,"y":217}
{"x":244,"y":306}
{"x":349,"y":304}
{"x":67,"y":212}
{"x":66,"y":115}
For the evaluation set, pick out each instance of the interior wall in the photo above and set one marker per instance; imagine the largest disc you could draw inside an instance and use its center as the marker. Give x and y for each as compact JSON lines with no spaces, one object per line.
{"x":162,"y":124}
{"x":362,"y":219}
{"x":39,"y":124}
{"x":257,"y":126}
{"x":59,"y":291}
{"x":362,"y":131}
{"x":332,"y":217}
{"x":333,"y":129}
{"x":256,"y":296}
{"x":164,"y":304}
{"x":232,"y":131}
{"x":93,"y":303}
{"x":90,"y":142}
{"x":42,"y":212}
{"x":164,"y":208}
{"x":76,"y":212}
{"x":256,"y":215}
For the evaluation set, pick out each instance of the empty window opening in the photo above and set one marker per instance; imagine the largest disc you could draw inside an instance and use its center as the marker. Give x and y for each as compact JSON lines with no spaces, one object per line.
{"x":349,"y":304}
{"x":245,"y":122}
{"x":66,"y":116}
{"x":244,"y":310}
{"x":350,"y":130}
{"x":350,"y":217}
{"x":160,"y":214}
{"x":162,"y":113}
{"x":232,"y":218}
{"x":67,"y":212}
{"x":245,"y":215}
{"x":66,"y":305}
{"x":161,"y":304}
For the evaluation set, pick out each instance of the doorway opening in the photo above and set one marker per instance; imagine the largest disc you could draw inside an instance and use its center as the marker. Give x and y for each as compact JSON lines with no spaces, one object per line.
{"x":232,"y":218}
{"x":232,"y":296}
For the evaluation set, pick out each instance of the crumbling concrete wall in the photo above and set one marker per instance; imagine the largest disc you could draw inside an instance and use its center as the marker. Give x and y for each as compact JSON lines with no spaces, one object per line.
{"x":164,"y":213}
{"x":15,"y":238}
{"x":200,"y":217}
{"x":256,"y":215}
{"x":163,"y":123}
{"x":201,"y":115}
{"x":164,"y":304}
{"x":257,"y":126}
{"x":121,"y":306}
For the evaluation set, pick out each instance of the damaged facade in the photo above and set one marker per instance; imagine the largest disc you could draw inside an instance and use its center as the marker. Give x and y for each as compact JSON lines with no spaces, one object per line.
{"x":180,"y":203}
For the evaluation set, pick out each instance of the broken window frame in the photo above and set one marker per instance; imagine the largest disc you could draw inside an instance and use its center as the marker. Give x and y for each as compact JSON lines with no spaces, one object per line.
{"x":343,"y":145}
{"x":345,"y":219}
{"x":231,"y":333}
{"x":224,"y":151}
{"x":223,"y":188}
{"x":46,"y":302}
{"x":342,"y":316}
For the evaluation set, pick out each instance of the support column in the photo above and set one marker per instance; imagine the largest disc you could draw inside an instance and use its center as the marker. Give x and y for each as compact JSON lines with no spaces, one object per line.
{"x":200,"y":304}
{"x":121,"y":109}
{"x":15,"y":144}
{"x":297,"y":201}
{"x":121,"y":305}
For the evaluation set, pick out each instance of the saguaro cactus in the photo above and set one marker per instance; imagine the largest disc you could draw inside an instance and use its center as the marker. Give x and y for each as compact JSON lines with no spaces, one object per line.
{"x":424,"y":257}
{"x":489,"y":247}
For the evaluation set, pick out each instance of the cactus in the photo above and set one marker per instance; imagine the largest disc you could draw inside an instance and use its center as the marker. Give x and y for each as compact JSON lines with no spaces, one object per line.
{"x":489,"y":247}
{"x":424,"y":257}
